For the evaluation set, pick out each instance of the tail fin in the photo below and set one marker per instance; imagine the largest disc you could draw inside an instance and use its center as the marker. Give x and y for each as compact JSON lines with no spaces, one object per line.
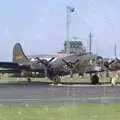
{"x":18,"y":54}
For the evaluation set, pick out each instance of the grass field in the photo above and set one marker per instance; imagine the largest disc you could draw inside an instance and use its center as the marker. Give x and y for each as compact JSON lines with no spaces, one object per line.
{"x":79,"y":112}
{"x":85,"y":79}
{"x":76,"y":79}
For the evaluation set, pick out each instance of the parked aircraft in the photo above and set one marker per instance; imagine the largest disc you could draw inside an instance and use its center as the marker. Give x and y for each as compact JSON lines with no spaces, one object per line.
{"x":53,"y":68}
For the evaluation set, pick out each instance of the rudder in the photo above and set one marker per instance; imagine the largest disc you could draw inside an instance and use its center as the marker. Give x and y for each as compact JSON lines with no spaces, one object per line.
{"x":18,"y":54}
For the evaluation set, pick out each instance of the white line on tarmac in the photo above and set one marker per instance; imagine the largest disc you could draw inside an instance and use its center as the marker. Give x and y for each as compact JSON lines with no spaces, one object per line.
{"x":61,"y":99}
{"x":84,"y":85}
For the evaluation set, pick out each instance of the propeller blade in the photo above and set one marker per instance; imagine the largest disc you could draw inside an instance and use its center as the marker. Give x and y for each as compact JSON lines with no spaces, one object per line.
{"x":76,"y":61}
{"x":40,"y":61}
{"x":118,"y":60}
{"x":44,"y":62}
{"x":106,"y":64}
{"x":51,"y":59}
{"x":111,"y":62}
{"x":67,"y":63}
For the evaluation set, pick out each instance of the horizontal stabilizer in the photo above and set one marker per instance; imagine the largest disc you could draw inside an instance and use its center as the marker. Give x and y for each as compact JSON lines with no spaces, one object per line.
{"x":10,"y":71}
{"x":8,"y":65}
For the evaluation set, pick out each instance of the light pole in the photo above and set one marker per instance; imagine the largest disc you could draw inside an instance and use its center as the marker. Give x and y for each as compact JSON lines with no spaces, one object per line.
{"x":69,"y":10}
{"x":115,"y":50}
{"x":67,"y":23}
{"x":90,"y":42}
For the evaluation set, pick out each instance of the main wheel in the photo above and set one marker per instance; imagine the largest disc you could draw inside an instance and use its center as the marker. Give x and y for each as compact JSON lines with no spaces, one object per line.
{"x":94,"y":79}
{"x":71,"y":74}
{"x":29,"y":80}
{"x":57,"y":79}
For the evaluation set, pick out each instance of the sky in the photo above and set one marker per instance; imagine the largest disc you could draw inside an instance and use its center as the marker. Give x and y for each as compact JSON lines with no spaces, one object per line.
{"x":40,"y":25}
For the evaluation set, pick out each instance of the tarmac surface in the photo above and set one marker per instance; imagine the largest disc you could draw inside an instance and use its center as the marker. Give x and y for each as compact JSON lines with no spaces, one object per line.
{"x":63,"y":94}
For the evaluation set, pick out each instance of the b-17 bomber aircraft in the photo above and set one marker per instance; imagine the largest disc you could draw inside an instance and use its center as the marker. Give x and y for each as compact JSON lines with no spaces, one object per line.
{"x":53,"y":69}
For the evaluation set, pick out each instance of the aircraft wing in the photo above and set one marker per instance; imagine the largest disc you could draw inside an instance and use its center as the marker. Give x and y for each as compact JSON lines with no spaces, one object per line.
{"x":11,"y":67}
{"x":94,"y":69}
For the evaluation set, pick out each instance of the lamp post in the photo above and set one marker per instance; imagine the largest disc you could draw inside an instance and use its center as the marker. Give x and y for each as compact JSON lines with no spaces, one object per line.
{"x":115,"y":50}
{"x":90,"y":42}
{"x":67,"y":23}
{"x":69,"y":10}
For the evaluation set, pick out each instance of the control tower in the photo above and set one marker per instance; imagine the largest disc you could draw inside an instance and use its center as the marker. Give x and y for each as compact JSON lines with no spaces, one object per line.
{"x":75,"y":47}
{"x":72,"y":47}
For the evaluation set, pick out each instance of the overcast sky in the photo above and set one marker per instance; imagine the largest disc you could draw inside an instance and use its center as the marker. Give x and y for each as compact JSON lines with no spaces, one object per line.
{"x":40,"y":25}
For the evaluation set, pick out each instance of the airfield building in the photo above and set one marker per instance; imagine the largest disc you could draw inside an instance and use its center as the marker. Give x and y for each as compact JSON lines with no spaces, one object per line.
{"x":72,"y":47}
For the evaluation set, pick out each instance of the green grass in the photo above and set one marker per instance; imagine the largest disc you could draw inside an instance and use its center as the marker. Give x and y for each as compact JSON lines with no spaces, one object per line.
{"x":6,"y":79}
{"x":66,"y":112}
{"x":85,"y":79}
{"x":76,"y":79}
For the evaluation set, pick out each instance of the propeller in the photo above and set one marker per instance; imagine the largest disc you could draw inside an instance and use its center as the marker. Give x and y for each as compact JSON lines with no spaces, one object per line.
{"x":71,"y":65}
{"x":106,"y":64}
{"x":45,"y":62}
{"x":50,"y":71}
{"x":68,"y":63}
{"x":112,"y":65}
{"x":116,"y":64}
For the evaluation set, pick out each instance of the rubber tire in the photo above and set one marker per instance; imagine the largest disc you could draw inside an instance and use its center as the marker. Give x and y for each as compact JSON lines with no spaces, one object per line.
{"x":94,"y":79}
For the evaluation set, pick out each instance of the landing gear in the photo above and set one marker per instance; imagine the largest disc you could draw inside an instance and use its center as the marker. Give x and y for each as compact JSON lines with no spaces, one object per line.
{"x":94,"y":79}
{"x":71,"y":74}
{"x":80,"y":74}
{"x":57,"y":80}
{"x":29,"y":80}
